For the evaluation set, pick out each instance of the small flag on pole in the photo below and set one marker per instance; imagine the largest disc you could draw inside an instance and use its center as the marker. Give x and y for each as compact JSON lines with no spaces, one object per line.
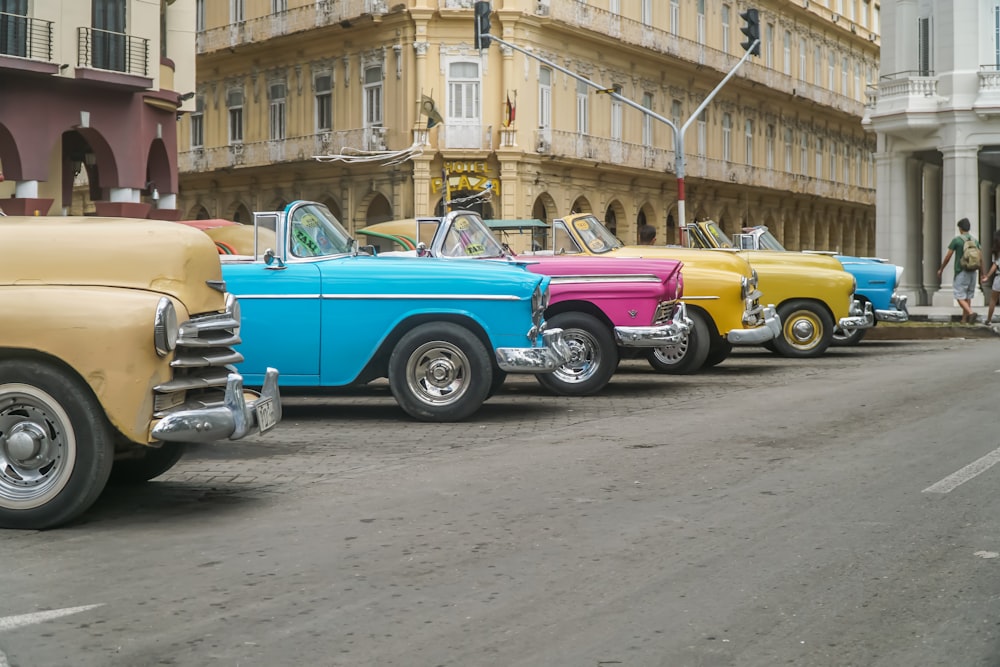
{"x":429,"y":109}
{"x":509,"y":111}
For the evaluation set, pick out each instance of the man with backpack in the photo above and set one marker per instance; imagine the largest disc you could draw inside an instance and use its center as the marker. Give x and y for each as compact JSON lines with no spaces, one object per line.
{"x":968,"y":260}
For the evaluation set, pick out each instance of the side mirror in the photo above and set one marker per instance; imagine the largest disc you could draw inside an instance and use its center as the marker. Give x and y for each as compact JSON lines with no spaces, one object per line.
{"x":272,"y":261}
{"x":422,"y":250}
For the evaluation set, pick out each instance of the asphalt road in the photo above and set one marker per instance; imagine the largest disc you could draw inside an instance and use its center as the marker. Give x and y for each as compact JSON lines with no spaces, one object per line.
{"x":768,"y":512}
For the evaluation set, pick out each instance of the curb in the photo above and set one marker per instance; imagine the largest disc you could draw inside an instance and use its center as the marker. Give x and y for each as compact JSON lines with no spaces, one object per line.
{"x":931,"y":330}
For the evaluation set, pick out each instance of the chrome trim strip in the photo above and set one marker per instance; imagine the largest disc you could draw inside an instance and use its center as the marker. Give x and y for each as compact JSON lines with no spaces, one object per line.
{"x":688,"y":297}
{"x":386,"y":297}
{"x":620,"y":278}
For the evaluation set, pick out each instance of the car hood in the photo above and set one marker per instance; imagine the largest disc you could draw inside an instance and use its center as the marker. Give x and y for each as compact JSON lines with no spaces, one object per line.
{"x":150,"y":255}
{"x":590,"y":265}
{"x":761,"y":258}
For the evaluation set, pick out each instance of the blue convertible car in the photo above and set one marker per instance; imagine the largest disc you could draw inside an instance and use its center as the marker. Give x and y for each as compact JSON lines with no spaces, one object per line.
{"x":331,"y":315}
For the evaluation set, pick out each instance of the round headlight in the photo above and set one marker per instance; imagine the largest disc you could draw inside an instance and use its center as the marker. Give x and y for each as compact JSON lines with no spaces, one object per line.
{"x":165,"y":328}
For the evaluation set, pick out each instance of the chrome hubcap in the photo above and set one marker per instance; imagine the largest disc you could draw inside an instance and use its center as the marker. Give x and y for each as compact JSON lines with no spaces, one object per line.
{"x":438,"y":373}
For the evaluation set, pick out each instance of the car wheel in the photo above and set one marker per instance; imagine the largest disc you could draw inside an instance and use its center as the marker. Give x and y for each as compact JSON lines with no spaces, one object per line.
{"x":848,"y":337}
{"x":689,"y":355}
{"x":718,"y":351}
{"x":499,"y":377}
{"x":595,"y":356}
{"x":440,"y":372}
{"x":152,"y":462}
{"x":56,"y":446}
{"x":806,"y":329}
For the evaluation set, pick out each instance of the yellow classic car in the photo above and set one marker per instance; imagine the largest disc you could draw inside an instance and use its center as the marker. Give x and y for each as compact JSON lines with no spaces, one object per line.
{"x":117,"y":349}
{"x":811,"y":294}
{"x":814,"y":292}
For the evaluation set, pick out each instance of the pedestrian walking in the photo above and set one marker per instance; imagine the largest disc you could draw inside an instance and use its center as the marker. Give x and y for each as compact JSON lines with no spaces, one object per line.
{"x":993,"y":274}
{"x":968,"y":260}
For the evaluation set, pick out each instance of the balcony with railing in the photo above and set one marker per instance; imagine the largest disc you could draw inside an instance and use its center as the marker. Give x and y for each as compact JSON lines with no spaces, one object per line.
{"x":600,"y":22}
{"x":25,"y":37}
{"x":113,"y":52}
{"x":904,"y":101}
{"x":588,"y":148}
{"x":988,"y":97}
{"x":277,"y":151}
{"x":292,"y":20}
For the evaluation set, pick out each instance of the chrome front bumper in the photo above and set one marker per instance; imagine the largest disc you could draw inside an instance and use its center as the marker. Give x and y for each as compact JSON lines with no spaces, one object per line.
{"x":897,"y":314}
{"x":553,"y":353}
{"x":770,"y":330}
{"x":859,"y":318}
{"x":663,"y":335}
{"x":234,"y":419}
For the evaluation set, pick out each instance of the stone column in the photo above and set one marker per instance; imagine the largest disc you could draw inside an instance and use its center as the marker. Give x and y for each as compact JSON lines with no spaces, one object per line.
{"x":930,"y":232}
{"x":960,"y":199}
{"x":895,"y":221}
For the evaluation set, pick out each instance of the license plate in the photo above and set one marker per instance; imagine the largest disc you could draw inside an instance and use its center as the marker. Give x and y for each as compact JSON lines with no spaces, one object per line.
{"x":265,"y":414}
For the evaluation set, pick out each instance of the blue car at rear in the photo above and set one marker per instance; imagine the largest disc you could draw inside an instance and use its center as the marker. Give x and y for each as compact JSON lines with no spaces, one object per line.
{"x":331,"y":315}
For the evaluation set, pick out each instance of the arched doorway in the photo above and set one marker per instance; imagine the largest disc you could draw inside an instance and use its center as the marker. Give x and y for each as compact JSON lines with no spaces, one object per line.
{"x":241,"y":214}
{"x":379,"y":210}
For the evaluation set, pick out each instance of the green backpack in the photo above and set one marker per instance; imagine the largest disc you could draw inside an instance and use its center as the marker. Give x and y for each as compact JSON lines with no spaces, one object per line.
{"x":971,"y":257}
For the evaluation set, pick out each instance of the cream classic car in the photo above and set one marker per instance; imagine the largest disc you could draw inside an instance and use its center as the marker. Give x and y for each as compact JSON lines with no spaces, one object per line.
{"x":116,"y":350}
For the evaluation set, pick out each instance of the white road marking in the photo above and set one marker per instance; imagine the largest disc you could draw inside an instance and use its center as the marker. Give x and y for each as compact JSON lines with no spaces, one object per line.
{"x":11,"y":622}
{"x":3,"y":660}
{"x":956,"y":479}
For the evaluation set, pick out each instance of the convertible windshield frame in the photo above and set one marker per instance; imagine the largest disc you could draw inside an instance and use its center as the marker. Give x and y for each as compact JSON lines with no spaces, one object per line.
{"x":468,"y":236}
{"x":767,"y":241}
{"x":314,"y":232}
{"x":592,"y":232}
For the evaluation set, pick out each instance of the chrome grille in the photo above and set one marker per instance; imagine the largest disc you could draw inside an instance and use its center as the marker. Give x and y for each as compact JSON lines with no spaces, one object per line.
{"x":665,"y":312}
{"x":204,"y":357}
{"x":753,"y":313}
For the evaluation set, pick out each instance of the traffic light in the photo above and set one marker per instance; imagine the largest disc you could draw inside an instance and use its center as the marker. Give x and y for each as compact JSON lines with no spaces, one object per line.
{"x":482,"y":40}
{"x":752,"y":31}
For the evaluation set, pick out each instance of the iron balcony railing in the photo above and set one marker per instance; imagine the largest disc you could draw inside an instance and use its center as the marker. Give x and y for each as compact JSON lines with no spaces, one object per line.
{"x":596,"y":21}
{"x":114,"y":51}
{"x":25,"y":37}
{"x":287,"y":22}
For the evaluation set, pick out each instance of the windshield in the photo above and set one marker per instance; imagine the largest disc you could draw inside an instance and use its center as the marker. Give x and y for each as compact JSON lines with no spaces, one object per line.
{"x":316,"y":232}
{"x":468,"y":236}
{"x":719,"y":236}
{"x":595,"y":235}
{"x":768,"y":242}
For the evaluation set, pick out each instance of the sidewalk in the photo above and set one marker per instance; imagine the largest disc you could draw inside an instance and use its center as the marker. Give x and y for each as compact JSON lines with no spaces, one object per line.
{"x":947,"y":313}
{"x":936,"y":322}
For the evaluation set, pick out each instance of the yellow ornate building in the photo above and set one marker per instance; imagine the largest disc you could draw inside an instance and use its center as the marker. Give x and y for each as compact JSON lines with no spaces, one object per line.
{"x":283,"y":81}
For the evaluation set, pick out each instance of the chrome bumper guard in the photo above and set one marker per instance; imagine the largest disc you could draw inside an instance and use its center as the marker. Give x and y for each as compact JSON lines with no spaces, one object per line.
{"x":859,"y":318}
{"x":553,"y":353}
{"x":234,"y":419}
{"x":662,"y":335}
{"x":898,"y":313}
{"x":770,"y":330}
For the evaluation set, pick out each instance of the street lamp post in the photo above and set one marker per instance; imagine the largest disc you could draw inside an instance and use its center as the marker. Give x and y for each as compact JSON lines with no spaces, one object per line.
{"x":751,"y":46}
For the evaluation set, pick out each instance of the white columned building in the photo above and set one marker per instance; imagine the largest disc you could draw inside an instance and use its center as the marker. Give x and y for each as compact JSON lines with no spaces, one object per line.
{"x":936,"y":113}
